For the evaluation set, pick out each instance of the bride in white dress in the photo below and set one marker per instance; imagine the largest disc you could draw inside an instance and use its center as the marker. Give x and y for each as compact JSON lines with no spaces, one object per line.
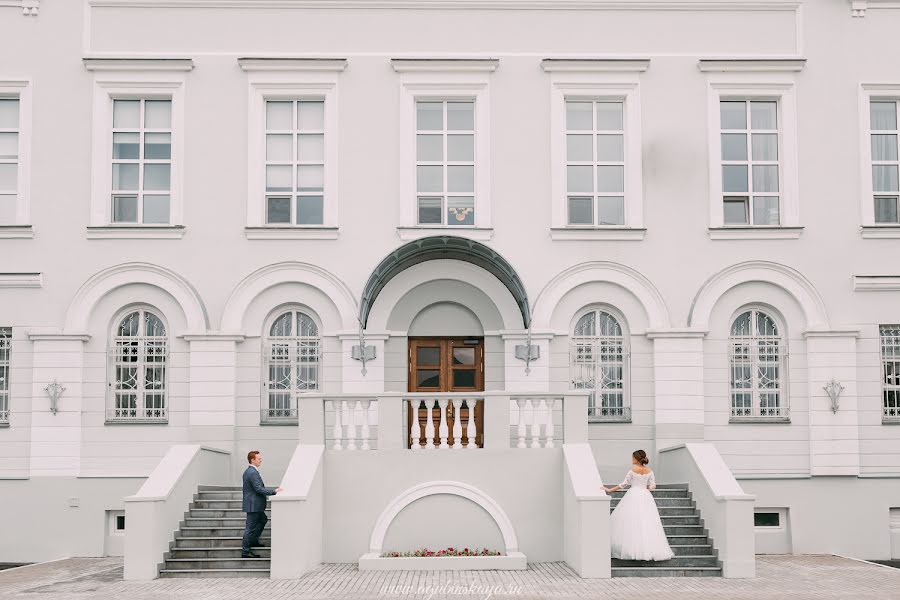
{"x":635,"y":529}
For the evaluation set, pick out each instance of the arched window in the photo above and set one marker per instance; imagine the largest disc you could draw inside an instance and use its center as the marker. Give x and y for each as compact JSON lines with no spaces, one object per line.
{"x":292,"y":351}
{"x":757,"y":358}
{"x":139,"y":357}
{"x":599,"y":363}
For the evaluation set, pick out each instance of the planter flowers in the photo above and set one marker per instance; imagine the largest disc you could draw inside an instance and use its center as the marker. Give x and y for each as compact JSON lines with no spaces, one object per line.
{"x":425,"y":552}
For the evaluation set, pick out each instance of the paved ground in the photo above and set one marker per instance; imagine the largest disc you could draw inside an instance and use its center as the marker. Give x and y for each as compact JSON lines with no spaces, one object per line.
{"x":778,"y":577}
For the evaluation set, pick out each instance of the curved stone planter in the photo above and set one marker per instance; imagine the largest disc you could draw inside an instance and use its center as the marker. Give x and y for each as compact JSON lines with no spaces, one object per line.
{"x":514,"y":561}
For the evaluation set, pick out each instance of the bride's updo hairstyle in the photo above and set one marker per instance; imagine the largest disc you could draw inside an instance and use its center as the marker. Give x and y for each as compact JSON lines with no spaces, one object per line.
{"x":641,"y":457}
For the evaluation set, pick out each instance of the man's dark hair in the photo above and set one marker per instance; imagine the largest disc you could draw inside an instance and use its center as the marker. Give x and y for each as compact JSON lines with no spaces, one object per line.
{"x":251,"y":455}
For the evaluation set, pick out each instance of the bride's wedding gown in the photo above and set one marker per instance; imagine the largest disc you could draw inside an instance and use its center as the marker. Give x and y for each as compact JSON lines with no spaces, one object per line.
{"x":635,"y":529}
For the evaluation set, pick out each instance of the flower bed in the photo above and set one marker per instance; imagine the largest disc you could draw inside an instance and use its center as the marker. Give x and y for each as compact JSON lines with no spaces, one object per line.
{"x":425,"y":552}
{"x":448,"y":559}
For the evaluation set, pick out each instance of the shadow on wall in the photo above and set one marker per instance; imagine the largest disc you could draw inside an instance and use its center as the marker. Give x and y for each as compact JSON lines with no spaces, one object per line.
{"x":440,"y":521}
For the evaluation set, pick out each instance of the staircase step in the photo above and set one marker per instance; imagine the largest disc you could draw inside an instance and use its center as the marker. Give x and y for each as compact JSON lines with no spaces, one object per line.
{"x":212,"y":542}
{"x":219,"y":496}
{"x":666,"y":572}
{"x":693,"y":549}
{"x":696,"y":530}
{"x":661,"y":502}
{"x":220,"y":513}
{"x":228,"y":522}
{"x":209,"y":573}
{"x":219,"y":488}
{"x":658,"y":493}
{"x":220,"y":553}
{"x":688,"y":540}
{"x":219,"y":504}
{"x":180,"y":564}
{"x":677,"y":562}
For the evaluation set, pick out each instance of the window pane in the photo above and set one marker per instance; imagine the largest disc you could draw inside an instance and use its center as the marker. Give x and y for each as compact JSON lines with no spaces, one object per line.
{"x":464,"y":356}
{"x":278,"y":148}
{"x":125,"y":177}
{"x":428,"y":356}
{"x":311,"y":116}
{"x":278,"y":209}
{"x":765,"y":178}
{"x":156,"y":209}
{"x":461,"y":147}
{"x":126,"y":145}
{"x":733,"y":114}
{"x":430,"y":211}
{"x":9,"y":113}
{"x":279,"y":115}
{"x":463,"y":378}
{"x":579,"y":115}
{"x":886,"y":209}
{"x":766,"y":520}
{"x":610,"y":116}
{"x":763,"y":115}
{"x":126,"y":114}
{"x":884,"y":178}
{"x":156,"y":177}
{"x":883,"y":115}
{"x":610,"y":179}
{"x":765,"y":146}
{"x":7,"y":209}
{"x":765,"y":210}
{"x":578,"y":147}
{"x":310,"y":210}
{"x":430,"y":178}
{"x":460,"y":179}
{"x":311,"y":147}
{"x":461,"y":116}
{"x":158,"y":114}
{"x":125,"y":209}
{"x":461,"y":210}
{"x":429,"y":147}
{"x":579,"y":179}
{"x":429,"y":116}
{"x":9,"y":145}
{"x":428,"y":378}
{"x":734,"y":178}
{"x":884,"y":147}
{"x":278,"y":178}
{"x":611,"y":148}
{"x":310,"y":178}
{"x":610,"y":210}
{"x":734,"y":146}
{"x":736,"y":211}
{"x":157,"y":146}
{"x":581,"y":210}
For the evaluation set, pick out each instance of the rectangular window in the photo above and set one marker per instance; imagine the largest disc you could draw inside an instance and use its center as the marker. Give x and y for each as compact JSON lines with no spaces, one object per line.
{"x":595,"y":162}
{"x":5,"y":354}
{"x":750,"y":162}
{"x":141,"y":161}
{"x":9,"y":159}
{"x":885,"y":164}
{"x":445,"y":162}
{"x":295,"y":162}
{"x":766,"y":519}
{"x":890,"y":371}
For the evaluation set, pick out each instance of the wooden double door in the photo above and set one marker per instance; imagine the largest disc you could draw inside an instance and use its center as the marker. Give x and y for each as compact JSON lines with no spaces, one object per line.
{"x":445,"y":364}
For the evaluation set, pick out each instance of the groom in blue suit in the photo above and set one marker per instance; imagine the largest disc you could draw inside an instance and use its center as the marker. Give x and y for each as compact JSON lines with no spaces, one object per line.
{"x":256,"y":494}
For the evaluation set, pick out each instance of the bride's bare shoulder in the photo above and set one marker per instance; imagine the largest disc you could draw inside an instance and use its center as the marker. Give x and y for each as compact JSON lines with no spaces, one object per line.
{"x":641,"y":470}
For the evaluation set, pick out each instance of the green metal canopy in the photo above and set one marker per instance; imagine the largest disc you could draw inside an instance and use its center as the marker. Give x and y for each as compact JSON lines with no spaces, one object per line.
{"x":444,"y":247}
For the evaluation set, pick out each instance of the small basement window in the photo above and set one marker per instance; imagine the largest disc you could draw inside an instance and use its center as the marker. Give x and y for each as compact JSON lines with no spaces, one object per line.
{"x":120,"y":522}
{"x":766,"y":519}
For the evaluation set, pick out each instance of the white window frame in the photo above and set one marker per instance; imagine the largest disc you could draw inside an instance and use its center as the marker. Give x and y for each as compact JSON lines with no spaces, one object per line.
{"x":135,"y":79}
{"x":784,"y":404}
{"x":889,"y":414}
{"x":290,"y":79}
{"x":266,"y":411}
{"x":867,"y":93}
{"x":5,"y":372}
{"x":444,"y":79}
{"x":598,"y":80}
{"x":773,"y":80}
{"x":623,"y":416}
{"x":21,"y":225}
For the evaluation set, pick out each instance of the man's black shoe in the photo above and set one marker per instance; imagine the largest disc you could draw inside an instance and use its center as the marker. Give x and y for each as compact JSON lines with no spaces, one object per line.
{"x":249,"y":555}
{"x":261,"y":544}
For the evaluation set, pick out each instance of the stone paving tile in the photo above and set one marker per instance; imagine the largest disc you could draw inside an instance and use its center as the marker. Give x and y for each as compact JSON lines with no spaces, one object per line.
{"x":778,"y":577}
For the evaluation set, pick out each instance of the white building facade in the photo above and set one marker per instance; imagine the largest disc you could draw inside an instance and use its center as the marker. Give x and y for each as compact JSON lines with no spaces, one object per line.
{"x":646,"y":223}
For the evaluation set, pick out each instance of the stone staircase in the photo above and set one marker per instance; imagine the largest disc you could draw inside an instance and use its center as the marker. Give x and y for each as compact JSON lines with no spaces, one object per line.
{"x":208,"y":544}
{"x":689,"y":540}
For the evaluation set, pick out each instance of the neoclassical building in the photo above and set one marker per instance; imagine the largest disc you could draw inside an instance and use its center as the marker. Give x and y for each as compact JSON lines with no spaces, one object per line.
{"x":447,"y":264}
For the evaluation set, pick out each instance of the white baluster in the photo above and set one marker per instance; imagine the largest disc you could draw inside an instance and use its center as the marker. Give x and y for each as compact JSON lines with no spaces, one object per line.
{"x":457,"y":424}
{"x":365,"y":424}
{"x":416,"y":433}
{"x":521,"y":427}
{"x":429,"y":424}
{"x":351,"y":424}
{"x":535,"y":426}
{"x":471,"y":431}
{"x":443,"y":429}
{"x":550,"y":431}
{"x":337,"y":432}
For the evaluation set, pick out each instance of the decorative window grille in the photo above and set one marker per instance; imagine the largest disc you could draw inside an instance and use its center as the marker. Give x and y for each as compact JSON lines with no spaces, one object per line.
{"x":599,"y":363}
{"x":292,"y":354}
{"x":890,"y":371}
{"x":9,"y":159}
{"x":5,"y":352}
{"x":139,"y":360}
{"x":757,"y":357}
{"x":885,"y":162}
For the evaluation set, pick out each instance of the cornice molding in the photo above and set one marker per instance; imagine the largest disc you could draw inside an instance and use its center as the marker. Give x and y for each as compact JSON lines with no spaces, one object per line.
{"x":111,"y":63}
{"x":858,"y":7}
{"x":635,"y":5}
{"x":21,"y":280}
{"x":751,"y":65}
{"x":876,"y":283}
{"x":30,"y":8}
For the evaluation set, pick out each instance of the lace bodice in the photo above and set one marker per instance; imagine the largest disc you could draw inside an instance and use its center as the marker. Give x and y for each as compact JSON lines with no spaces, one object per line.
{"x":636,"y":480}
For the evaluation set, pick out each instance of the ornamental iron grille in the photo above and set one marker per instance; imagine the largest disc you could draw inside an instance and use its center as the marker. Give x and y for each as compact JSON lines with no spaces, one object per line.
{"x":757,"y":357}
{"x":890,"y":371}
{"x":292,"y":354}
{"x":598,"y":357}
{"x":139,"y":357}
{"x":5,"y":351}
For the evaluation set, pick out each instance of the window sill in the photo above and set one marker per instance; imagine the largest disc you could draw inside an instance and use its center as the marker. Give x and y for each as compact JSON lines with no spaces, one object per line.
{"x":880,"y":232}
{"x":758,"y":420}
{"x":627,"y":234}
{"x":890,"y":421}
{"x":592,"y":420}
{"x":136,"y":232}
{"x":280,"y":422}
{"x":472,"y":233}
{"x":136,"y":422}
{"x":755,"y":233}
{"x":291,"y":233}
{"x":11,"y":232}
{"x":21,"y":280}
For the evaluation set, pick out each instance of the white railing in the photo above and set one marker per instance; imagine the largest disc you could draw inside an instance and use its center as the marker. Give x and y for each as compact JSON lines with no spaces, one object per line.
{"x":451,"y":429}
{"x":350,"y":423}
{"x":4,"y":417}
{"x":534,"y":417}
{"x":137,"y":415}
{"x":278,"y":416}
